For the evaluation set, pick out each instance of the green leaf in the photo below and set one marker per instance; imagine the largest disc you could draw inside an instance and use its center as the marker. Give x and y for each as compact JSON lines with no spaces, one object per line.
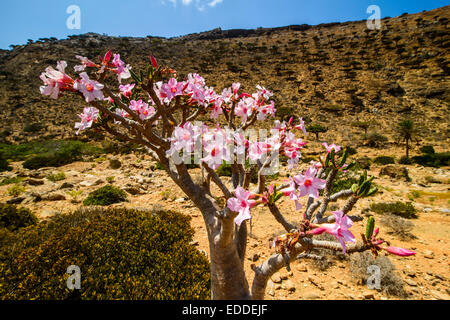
{"x":370,"y":227}
{"x":135,"y":76}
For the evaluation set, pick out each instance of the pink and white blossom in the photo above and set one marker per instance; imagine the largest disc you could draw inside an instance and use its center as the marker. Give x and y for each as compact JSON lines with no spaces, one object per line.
{"x":88,"y":117}
{"x":340,"y":229}
{"x":241,"y":204}
{"x":55,"y":80}
{"x":91,"y":89}
{"x":308,"y":184}
{"x":331,"y":147}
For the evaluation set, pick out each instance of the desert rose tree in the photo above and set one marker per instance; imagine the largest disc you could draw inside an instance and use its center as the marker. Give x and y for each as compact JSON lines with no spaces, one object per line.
{"x":161,"y":113}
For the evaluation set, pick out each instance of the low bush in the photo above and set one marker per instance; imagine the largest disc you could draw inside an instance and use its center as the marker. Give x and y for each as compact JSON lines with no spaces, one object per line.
{"x":56,"y":177}
{"x":391,"y":283}
{"x":7,"y":181}
{"x":398,"y":226}
{"x":3,"y":163}
{"x":427,"y":150}
{"x":433,"y":159}
{"x":376,"y":140}
{"x":383,"y":160}
{"x":16,"y":190}
{"x":105,"y":196}
{"x":13,"y":218}
{"x":405,"y":210}
{"x":122,"y":254}
{"x":405,"y":160}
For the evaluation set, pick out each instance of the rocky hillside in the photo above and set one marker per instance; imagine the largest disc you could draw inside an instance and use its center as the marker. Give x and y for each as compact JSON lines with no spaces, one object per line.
{"x":332,"y":74}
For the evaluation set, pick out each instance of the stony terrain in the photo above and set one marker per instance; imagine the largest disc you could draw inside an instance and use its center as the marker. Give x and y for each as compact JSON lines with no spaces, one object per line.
{"x":331,"y":74}
{"x":425,"y":276}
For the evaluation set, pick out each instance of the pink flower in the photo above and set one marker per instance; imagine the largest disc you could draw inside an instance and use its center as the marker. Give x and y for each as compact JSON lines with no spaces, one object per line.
{"x":85,"y":62}
{"x":308,"y":184}
{"x":142,"y":109}
{"x":339,"y":229}
{"x":88,"y":117}
{"x":399,"y":251}
{"x":127,"y":90}
{"x":89,"y":88}
{"x":55,"y":80}
{"x":292,"y":193}
{"x":245,"y":108}
{"x":122,"y":70}
{"x":240,"y":204}
{"x":301,"y":126}
{"x":263,"y":93}
{"x":183,"y":137}
{"x":266,"y":110}
{"x":331,"y":147}
{"x":215,"y":147}
{"x":172,"y":88}
{"x":257,"y":150}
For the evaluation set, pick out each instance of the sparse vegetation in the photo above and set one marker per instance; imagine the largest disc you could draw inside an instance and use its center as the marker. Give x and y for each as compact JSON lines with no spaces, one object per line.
{"x":16,"y":190}
{"x":59,"y":176}
{"x":405,"y":210}
{"x":316,"y":129}
{"x":384,"y":160}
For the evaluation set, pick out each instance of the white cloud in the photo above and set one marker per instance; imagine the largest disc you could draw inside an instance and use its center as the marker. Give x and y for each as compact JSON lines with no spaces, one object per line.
{"x":213,"y":3}
{"x":199,"y":4}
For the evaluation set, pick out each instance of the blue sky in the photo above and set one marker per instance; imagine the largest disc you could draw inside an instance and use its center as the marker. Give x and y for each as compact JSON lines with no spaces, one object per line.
{"x":32,"y":19}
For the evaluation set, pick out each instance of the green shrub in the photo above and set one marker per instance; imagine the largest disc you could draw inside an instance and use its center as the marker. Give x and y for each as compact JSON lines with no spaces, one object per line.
{"x":122,"y":254}
{"x":376,"y":140}
{"x":383,"y":160}
{"x":405,"y":160}
{"x":13,"y":218}
{"x":15,"y":190}
{"x":3,"y":163}
{"x":105,"y":196}
{"x":57,"y":177}
{"x":405,"y":210}
{"x":27,"y":150}
{"x":427,"y":150}
{"x":33,"y":127}
{"x":7,"y":181}
{"x":433,"y":160}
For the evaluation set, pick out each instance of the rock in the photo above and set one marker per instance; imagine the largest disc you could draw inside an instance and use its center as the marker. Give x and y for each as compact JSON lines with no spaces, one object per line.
{"x":66,"y":185}
{"x":395,"y":172}
{"x":410,"y":282}
{"x":312,"y":296}
{"x":16,"y":200}
{"x":438,"y":295}
{"x":276,"y":277}
{"x":271,"y":292}
{"x":289,"y":285}
{"x":428,"y":254}
{"x":283,"y":276}
{"x":444,"y":210}
{"x":427,"y":209}
{"x":132,"y":190}
{"x":35,"y":182}
{"x":179,"y":200}
{"x":53,"y":197}
{"x":335,"y":285}
{"x":277,"y":286}
{"x":302,"y":268}
{"x":368,"y":295}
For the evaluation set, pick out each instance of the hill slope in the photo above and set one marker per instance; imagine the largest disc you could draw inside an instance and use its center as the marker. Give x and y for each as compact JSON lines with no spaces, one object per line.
{"x":332,"y":73}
